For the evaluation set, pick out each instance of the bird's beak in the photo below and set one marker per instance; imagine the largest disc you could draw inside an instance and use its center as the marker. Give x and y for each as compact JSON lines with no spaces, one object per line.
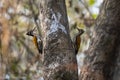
{"x":28,"y":33}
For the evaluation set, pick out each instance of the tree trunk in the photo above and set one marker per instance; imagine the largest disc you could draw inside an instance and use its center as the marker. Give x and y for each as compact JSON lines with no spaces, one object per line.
{"x":59,"y":59}
{"x":103,"y":56}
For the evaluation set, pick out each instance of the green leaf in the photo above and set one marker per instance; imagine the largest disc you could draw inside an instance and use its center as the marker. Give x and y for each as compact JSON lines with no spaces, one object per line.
{"x":91,"y":2}
{"x":94,"y":16}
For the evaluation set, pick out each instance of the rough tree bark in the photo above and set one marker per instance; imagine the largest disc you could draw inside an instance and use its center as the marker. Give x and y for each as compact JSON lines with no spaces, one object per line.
{"x":103,"y":56}
{"x":59,"y":59}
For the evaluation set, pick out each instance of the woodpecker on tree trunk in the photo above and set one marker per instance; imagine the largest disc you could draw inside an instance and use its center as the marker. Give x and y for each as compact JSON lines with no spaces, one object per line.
{"x":36,"y":40}
{"x":77,"y":40}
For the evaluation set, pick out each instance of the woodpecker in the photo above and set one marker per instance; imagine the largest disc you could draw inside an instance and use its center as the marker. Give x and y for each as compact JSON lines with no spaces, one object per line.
{"x":36,"y":40}
{"x":77,"y":40}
